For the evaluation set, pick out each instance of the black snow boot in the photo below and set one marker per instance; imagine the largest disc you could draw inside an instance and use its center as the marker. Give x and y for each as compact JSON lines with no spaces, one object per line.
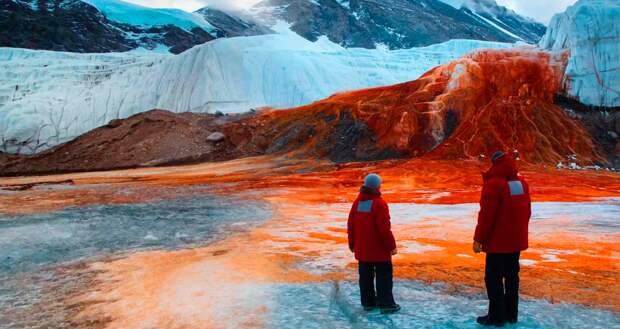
{"x":488,"y":321}
{"x":390,"y":309}
{"x":370,"y":308}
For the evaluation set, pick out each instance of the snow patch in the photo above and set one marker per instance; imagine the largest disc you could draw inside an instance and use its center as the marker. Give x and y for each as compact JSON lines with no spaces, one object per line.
{"x":345,"y":3}
{"x":488,"y":21}
{"x":464,"y":256}
{"x":528,"y":262}
{"x":457,"y":4}
{"x":413,"y":247}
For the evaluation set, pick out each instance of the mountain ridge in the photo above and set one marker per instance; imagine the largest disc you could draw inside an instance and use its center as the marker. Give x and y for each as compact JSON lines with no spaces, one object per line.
{"x":398,"y":23}
{"x":116,"y":26}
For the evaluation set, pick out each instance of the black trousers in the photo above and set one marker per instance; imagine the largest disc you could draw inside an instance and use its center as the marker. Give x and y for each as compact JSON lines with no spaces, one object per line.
{"x":501,"y":276}
{"x":383,"y":273}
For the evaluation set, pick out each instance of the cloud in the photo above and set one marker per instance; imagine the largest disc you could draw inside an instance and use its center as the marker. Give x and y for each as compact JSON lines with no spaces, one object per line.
{"x":540,"y":10}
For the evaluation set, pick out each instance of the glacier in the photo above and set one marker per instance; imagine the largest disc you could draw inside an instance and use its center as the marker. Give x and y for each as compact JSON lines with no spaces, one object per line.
{"x":132,"y":14}
{"x":47,"y":98}
{"x":590,"y":31}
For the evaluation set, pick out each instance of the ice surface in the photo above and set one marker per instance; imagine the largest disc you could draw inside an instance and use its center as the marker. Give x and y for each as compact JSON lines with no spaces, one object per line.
{"x":47,"y":98}
{"x":590,"y":30}
{"x":36,"y":244}
{"x":31,"y":241}
{"x":40,"y":252}
{"x":132,"y":14}
{"x":336,"y":305}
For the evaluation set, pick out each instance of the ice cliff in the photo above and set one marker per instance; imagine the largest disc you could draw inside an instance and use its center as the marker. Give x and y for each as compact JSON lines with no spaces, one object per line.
{"x":590,"y":31}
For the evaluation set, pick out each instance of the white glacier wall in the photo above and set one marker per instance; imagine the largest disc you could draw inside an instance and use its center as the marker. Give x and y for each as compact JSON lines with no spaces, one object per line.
{"x":47,"y":98}
{"x":590,"y":31}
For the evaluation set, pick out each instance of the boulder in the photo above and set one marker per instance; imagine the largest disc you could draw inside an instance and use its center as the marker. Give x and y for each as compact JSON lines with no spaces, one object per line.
{"x":216,"y":137}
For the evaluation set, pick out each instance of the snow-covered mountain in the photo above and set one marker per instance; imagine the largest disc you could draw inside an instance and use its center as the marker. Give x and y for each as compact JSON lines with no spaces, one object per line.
{"x":399,"y":23}
{"x":115,"y":25}
{"x":590,"y":31}
{"x":504,"y":19}
{"x":232,"y":24}
{"x":99,"y":26}
{"x":47,"y":98}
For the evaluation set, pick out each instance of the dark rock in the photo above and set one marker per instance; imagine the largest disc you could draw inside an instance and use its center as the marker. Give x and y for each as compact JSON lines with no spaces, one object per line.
{"x":291,"y":138}
{"x":451,"y":122}
{"x":114,"y":123}
{"x":602,"y":124}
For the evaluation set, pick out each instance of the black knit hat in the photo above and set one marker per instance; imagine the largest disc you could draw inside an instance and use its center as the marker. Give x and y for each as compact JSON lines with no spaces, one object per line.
{"x":496,"y":156}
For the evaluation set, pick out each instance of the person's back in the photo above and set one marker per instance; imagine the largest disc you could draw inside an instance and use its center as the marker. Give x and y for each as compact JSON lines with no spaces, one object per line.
{"x":510,"y":232}
{"x":502,"y":232}
{"x":372,"y":242}
{"x":371,"y":228}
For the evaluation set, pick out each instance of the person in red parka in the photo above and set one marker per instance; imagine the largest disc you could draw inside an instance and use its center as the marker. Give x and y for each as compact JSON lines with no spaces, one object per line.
{"x":502,"y":233}
{"x":372,"y":241}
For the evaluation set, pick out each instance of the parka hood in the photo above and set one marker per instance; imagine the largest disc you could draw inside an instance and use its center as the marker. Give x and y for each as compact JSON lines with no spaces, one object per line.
{"x":504,"y":167}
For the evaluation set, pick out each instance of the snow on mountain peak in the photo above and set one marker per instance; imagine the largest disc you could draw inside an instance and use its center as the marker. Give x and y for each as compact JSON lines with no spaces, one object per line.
{"x":590,"y":31}
{"x":457,"y":4}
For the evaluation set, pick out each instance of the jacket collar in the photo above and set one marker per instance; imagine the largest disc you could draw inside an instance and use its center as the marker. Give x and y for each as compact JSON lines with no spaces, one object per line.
{"x":367,"y":193}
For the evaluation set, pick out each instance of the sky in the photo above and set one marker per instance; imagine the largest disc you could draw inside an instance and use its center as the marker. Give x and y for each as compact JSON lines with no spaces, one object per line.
{"x":541,"y":10}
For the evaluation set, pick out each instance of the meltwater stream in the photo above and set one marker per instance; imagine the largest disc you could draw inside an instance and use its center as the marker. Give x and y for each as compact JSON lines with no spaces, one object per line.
{"x":36,"y":249}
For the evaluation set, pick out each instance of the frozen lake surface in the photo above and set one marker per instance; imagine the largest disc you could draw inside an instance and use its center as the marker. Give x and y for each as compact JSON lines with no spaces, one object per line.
{"x":31,"y":241}
{"x":36,"y":250}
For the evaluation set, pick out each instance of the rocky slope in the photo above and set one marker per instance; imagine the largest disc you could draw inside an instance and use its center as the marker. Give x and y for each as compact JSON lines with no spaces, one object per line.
{"x":79,"y":26}
{"x":398,"y":23}
{"x":494,"y":99}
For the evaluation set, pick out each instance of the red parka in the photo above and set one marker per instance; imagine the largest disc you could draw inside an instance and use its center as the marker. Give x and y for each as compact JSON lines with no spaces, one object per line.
{"x":369,"y":228}
{"x":505,"y":209}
